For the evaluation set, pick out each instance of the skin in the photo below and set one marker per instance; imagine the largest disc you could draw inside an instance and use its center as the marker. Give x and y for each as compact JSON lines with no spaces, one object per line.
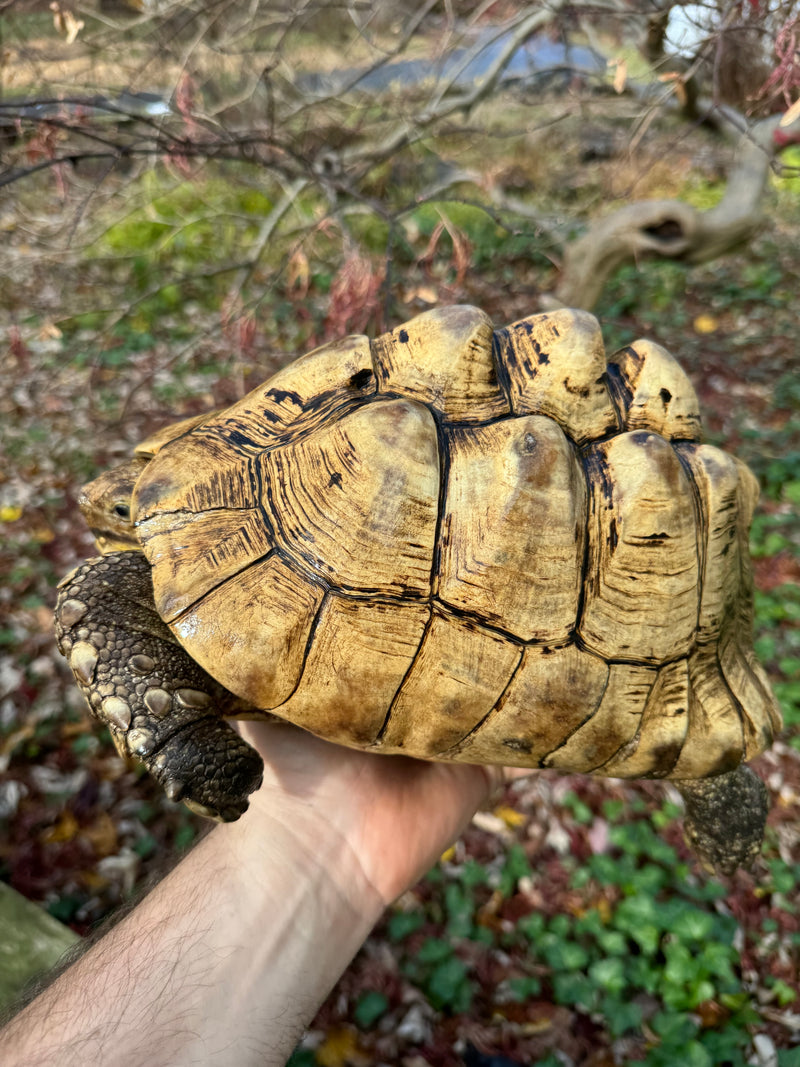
{"x":228,"y":959}
{"x":106,"y":506}
{"x":725,"y":818}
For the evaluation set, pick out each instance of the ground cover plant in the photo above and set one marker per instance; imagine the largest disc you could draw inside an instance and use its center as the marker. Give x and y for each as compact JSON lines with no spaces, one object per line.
{"x":570,"y":924}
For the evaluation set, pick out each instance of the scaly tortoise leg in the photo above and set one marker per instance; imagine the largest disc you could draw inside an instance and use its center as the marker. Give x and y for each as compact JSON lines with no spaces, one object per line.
{"x":159,"y":705}
{"x":725,"y":817}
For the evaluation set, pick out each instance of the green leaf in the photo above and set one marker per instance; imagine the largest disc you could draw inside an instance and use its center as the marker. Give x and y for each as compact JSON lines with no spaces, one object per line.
{"x":184,"y":836}
{"x":621,"y":1015}
{"x":433,"y":950}
{"x":674,"y":1028}
{"x":524,"y":988}
{"x":532,"y":926}
{"x":692,"y":925}
{"x":613,"y":809}
{"x":403,"y":923}
{"x":563,"y":955}
{"x":460,"y":909}
{"x":613,"y":943}
{"x":449,"y":987}
{"x":609,"y":974}
{"x":473,"y":874}
{"x":783,"y":992}
{"x":302,"y":1057}
{"x":370,"y":1007}
{"x":516,"y":866}
{"x":574,"y":990}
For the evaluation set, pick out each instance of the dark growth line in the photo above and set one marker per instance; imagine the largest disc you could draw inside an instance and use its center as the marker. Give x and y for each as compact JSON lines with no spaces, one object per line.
{"x":443,"y":449}
{"x":496,"y":708}
{"x":500,"y":368}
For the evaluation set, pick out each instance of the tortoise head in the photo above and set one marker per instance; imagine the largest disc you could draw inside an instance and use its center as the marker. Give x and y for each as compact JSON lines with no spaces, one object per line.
{"x":106,"y":506}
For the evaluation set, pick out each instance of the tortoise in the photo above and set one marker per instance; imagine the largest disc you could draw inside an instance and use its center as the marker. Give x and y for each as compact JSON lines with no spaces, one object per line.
{"x":452,"y":542}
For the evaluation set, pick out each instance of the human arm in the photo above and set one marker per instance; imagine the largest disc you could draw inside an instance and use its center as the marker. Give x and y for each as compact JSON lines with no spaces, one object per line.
{"x":227,"y":960}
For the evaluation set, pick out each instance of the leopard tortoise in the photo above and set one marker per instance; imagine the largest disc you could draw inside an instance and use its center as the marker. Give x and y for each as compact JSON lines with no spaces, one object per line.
{"x":453,"y":542}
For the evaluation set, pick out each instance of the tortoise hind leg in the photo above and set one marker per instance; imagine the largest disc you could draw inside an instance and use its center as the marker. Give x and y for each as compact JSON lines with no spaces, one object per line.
{"x":159,"y":705}
{"x":725,"y":817}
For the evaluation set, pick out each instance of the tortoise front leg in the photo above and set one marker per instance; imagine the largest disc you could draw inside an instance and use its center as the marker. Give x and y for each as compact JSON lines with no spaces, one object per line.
{"x":725,"y":817}
{"x":159,"y":705}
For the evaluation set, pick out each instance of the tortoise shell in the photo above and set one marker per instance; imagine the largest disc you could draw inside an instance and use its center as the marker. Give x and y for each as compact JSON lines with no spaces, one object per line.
{"x":467,"y":544}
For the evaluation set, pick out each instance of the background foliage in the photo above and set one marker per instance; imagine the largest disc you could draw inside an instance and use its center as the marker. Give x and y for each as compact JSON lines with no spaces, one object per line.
{"x":570,"y":924}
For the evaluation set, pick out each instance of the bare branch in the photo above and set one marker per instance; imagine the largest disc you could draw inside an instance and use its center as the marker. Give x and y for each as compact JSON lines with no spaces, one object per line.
{"x":672,"y":229}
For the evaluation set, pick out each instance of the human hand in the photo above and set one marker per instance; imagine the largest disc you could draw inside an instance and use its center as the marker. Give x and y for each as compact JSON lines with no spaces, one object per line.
{"x":392,"y":814}
{"x":232,"y":954}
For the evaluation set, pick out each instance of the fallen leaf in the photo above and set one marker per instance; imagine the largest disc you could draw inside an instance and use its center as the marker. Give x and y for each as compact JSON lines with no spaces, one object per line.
{"x":340,"y":1049}
{"x":705,"y":324}
{"x":510,"y":816}
{"x":66,"y":829}
{"x":102,"y":834}
{"x":49,"y":332}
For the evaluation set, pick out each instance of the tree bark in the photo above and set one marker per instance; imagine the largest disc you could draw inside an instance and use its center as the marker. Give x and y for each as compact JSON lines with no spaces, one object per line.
{"x":673,"y":229}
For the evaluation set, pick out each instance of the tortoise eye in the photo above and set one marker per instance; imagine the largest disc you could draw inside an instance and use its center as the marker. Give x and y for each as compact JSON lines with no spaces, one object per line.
{"x":122,"y":510}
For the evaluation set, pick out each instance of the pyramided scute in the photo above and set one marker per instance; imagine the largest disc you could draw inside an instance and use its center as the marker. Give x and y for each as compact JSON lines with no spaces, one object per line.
{"x":642,"y":573}
{"x":554,"y":364}
{"x":357,"y":501}
{"x":654,"y":392}
{"x":514,"y":527}
{"x":443,"y":358}
{"x":208,"y":467}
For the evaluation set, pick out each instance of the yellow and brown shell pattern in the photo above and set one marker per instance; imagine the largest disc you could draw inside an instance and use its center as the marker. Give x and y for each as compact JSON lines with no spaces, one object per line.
{"x":467,"y":544}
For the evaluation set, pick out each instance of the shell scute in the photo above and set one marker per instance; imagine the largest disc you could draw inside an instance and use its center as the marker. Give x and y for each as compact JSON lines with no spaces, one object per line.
{"x":207,"y":468}
{"x":250,"y":633}
{"x":443,"y":358}
{"x":654,"y":749}
{"x":714,"y":738}
{"x":373,"y":473}
{"x":728,"y":494}
{"x":612,"y":726}
{"x":461,"y":669}
{"x":654,"y":392}
{"x":550,"y":695}
{"x":641,"y":589}
{"x":191,"y":554}
{"x":555,"y":365}
{"x":359,"y":655}
{"x":514,"y":517}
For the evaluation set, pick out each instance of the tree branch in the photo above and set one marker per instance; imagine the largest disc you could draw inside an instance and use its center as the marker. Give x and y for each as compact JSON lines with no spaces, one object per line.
{"x":672,"y":229}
